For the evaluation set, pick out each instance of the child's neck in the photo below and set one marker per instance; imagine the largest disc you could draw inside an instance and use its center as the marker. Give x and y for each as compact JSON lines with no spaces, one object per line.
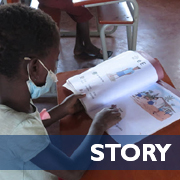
{"x":15,"y":95}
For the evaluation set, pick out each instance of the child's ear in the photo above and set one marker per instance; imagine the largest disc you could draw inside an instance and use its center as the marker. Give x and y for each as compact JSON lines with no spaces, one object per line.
{"x":37,"y":72}
{"x":33,"y":69}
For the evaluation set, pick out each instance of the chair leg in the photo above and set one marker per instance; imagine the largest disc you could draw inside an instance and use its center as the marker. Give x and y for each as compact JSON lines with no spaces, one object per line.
{"x":134,"y":36}
{"x":129,"y":37}
{"x":111,"y":31}
{"x":103,"y":41}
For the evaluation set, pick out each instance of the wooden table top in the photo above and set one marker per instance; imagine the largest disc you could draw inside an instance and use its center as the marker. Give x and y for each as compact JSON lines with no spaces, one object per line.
{"x":79,"y":124}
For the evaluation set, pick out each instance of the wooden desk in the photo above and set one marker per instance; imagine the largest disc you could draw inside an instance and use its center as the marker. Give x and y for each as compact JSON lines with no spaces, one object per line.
{"x":79,"y":125}
{"x":90,"y":3}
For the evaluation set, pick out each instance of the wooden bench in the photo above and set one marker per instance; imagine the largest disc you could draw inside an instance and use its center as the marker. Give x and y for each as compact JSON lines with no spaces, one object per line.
{"x":119,"y":14}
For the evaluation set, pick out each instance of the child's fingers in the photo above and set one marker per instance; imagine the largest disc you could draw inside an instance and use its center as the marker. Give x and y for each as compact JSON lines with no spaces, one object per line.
{"x":115,"y":109}
{"x":79,"y":95}
{"x":116,"y":114}
{"x":113,"y":106}
{"x":79,"y":106}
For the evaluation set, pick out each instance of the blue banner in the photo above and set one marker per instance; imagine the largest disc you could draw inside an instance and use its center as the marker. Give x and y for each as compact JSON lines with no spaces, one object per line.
{"x":59,"y":152}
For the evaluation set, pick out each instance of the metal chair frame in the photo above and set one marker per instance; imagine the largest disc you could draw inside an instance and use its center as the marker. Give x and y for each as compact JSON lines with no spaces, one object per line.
{"x":131,"y":29}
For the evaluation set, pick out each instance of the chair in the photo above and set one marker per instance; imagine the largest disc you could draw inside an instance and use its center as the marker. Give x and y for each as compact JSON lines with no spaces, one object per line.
{"x":119,"y":14}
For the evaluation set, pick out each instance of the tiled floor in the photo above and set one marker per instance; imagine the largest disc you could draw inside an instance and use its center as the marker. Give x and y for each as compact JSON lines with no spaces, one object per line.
{"x":158,"y":35}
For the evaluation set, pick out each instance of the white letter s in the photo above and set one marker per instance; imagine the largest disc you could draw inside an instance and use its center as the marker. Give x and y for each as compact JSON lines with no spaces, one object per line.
{"x":97,"y":152}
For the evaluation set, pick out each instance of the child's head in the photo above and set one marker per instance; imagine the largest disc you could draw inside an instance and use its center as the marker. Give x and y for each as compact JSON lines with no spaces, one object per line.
{"x":24,"y":32}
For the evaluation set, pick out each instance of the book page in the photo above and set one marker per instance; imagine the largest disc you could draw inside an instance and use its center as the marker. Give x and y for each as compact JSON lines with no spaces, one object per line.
{"x":145,"y":111}
{"x":113,"y":79}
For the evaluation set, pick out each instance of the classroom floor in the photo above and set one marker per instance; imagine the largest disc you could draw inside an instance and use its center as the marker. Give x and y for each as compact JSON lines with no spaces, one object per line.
{"x":158,"y":35}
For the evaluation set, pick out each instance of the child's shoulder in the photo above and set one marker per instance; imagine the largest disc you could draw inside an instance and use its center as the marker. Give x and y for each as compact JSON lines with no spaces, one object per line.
{"x":10,"y":120}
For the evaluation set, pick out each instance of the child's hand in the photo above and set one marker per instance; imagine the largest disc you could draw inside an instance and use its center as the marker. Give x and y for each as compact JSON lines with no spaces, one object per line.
{"x":107,"y":117}
{"x":71,"y":104}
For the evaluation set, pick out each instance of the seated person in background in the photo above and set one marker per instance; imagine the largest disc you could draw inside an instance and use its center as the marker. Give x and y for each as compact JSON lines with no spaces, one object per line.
{"x":29,"y":47}
{"x":81,"y":16}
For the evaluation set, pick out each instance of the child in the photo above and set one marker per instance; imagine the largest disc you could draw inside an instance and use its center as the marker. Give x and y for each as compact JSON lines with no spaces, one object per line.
{"x":29,"y":48}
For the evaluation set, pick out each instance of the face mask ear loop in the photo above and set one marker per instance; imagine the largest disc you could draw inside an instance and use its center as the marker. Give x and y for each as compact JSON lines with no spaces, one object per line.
{"x":49,"y":71}
{"x":54,"y":78}
{"x":43,"y":65}
{"x":29,"y":59}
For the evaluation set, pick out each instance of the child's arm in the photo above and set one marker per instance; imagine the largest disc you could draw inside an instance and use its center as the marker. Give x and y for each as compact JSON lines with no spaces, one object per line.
{"x":51,"y":158}
{"x":70,"y":105}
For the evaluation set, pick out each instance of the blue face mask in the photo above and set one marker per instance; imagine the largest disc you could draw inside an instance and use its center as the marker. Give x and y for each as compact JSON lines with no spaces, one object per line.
{"x":37,"y":91}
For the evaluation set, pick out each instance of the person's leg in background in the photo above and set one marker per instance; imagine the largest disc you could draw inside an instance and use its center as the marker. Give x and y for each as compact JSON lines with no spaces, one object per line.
{"x":81,"y":16}
{"x":83,"y":42}
{"x":53,"y":12}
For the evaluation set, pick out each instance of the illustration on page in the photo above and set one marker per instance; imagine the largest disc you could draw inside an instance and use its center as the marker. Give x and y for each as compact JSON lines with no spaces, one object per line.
{"x":158,"y":102}
{"x":127,"y":71}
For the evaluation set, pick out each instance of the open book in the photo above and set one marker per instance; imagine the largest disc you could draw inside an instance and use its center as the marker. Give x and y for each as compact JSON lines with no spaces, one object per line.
{"x":129,"y":81}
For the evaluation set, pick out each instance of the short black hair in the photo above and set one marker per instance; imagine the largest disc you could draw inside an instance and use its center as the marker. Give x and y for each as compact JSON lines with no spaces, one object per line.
{"x":24,"y":31}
